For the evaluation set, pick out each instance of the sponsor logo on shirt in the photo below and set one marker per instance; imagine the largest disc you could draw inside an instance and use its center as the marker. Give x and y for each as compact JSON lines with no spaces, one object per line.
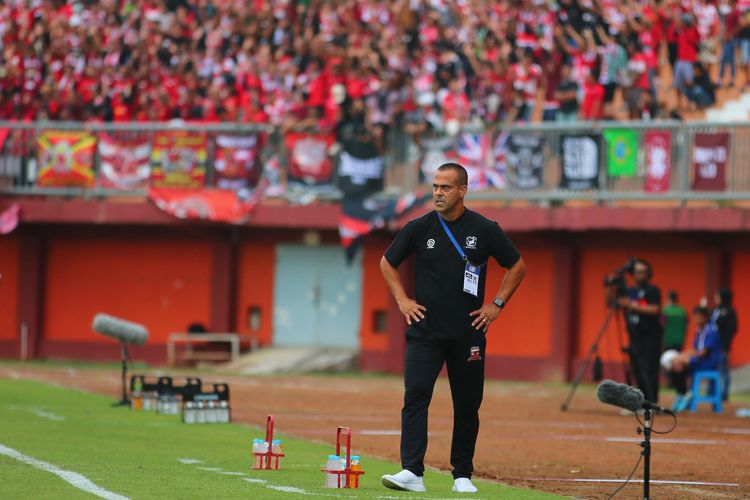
{"x":471,"y":242}
{"x":430,"y":243}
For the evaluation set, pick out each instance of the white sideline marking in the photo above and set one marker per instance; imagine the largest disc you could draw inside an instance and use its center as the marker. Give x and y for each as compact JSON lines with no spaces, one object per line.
{"x":287,"y":489}
{"x":228,"y":473}
{"x":668,"y":440}
{"x":210,"y":469}
{"x":77,"y":480}
{"x":46,"y":414}
{"x":730,"y":430}
{"x":380,"y":433}
{"x":253,"y":480}
{"x":190,"y":461}
{"x":654,"y":481}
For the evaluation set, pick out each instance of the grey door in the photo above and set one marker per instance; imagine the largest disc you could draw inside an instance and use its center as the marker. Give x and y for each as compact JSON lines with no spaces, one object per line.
{"x":317,"y":297}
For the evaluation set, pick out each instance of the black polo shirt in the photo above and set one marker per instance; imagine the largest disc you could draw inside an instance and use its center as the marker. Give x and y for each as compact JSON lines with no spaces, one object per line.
{"x":439,"y":273}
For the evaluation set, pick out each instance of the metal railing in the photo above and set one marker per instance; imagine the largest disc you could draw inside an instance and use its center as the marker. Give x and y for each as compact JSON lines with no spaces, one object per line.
{"x":402,"y":173}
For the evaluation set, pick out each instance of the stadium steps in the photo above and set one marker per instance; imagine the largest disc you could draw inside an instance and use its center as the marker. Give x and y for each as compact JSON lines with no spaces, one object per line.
{"x":268,"y":360}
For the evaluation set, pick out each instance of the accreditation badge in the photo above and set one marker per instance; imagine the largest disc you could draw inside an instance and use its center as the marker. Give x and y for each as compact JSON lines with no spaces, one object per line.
{"x":471,"y":279}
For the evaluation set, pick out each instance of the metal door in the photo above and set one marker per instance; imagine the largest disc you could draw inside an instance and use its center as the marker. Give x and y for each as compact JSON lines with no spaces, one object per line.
{"x":317,"y":297}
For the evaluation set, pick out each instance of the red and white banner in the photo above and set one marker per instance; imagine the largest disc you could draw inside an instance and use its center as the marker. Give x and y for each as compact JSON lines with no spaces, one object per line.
{"x":658,"y":145}
{"x":309,"y":162}
{"x":710,"y":156}
{"x":9,"y":218}
{"x":124,"y":162}
{"x":237,"y":161}
{"x":217,"y":205}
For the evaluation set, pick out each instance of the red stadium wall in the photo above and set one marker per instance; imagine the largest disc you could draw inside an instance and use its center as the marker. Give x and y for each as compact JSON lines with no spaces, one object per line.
{"x":255,"y":271}
{"x":162,"y":283}
{"x":9,"y":258}
{"x":57,"y":277}
{"x":375,"y":297}
{"x":739,"y":284}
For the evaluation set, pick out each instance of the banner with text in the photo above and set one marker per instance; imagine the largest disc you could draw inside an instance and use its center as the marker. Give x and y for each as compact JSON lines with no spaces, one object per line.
{"x":178,"y":159}
{"x":710,"y":156}
{"x":579,"y":155}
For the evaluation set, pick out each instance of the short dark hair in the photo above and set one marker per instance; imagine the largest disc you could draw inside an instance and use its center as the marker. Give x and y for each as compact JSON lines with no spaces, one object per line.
{"x":463,"y":177}
{"x":674,"y":296}
{"x":650,"y":270}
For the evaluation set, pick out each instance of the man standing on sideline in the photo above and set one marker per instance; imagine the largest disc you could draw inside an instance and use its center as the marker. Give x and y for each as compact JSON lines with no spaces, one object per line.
{"x":642,"y":308}
{"x":447,"y":319}
{"x":724,"y":317}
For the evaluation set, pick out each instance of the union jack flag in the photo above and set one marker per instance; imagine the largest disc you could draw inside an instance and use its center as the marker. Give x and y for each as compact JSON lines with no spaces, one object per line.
{"x":479,"y":156}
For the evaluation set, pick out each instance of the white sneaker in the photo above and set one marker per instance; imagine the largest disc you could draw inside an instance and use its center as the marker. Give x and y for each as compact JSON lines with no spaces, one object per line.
{"x":464,"y":485}
{"x":405,"y":480}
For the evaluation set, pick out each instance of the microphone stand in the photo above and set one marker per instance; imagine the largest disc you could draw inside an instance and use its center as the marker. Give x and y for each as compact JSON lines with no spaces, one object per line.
{"x":124,"y":359}
{"x":646,"y":452}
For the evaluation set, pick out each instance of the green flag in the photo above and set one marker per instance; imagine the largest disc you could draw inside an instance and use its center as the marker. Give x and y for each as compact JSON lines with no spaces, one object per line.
{"x":622,"y":152}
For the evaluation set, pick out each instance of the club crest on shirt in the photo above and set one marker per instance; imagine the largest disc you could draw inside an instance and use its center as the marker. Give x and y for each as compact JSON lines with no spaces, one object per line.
{"x":474,"y":354}
{"x":471,"y":242}
{"x":430,"y":243}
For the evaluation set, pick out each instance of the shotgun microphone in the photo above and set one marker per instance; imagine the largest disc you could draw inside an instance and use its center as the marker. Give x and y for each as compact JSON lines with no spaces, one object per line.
{"x":625,"y":396}
{"x":124,"y":331}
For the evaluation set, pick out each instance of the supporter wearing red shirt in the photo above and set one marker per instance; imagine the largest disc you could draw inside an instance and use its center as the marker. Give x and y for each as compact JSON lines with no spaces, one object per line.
{"x":592,"y":107}
{"x":687,"y":54}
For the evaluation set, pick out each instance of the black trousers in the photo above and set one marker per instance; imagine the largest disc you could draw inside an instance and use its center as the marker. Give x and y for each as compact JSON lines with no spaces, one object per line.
{"x":644,"y":363}
{"x":464,"y":360}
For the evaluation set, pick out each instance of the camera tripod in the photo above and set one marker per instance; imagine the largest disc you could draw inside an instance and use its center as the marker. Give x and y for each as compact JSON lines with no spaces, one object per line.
{"x":612,"y":312}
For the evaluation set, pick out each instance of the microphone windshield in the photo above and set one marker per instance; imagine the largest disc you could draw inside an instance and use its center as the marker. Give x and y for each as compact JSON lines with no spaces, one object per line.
{"x":622,"y":395}
{"x":124,"y":331}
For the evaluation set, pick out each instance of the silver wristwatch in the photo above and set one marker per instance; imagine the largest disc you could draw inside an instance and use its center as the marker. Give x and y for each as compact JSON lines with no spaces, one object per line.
{"x":499,"y":302}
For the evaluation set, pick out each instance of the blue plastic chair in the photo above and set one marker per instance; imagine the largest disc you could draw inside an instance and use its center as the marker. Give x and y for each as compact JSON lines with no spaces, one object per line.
{"x":713,"y":390}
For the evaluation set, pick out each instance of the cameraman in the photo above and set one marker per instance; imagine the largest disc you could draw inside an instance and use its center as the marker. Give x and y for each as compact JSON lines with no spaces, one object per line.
{"x":641,"y":305}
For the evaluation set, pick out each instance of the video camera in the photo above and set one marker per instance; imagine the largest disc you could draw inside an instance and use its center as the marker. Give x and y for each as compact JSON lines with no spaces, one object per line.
{"x":616,"y":278}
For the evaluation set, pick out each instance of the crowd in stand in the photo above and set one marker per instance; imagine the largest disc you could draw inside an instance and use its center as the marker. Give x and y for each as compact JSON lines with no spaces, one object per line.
{"x":411,"y":63}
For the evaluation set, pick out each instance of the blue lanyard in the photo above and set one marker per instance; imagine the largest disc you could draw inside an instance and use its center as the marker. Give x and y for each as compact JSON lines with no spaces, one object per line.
{"x":450,"y":235}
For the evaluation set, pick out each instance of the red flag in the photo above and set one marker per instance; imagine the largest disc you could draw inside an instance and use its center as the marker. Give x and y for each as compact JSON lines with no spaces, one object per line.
{"x":218,"y":205}
{"x":658,"y":161}
{"x":9,"y":218}
{"x":710,"y":155}
{"x":3,"y":136}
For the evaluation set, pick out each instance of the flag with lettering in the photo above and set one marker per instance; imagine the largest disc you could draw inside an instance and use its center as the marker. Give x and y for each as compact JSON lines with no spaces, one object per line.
{"x":710,"y":155}
{"x":178,"y":159}
{"x":622,"y":152}
{"x":579,"y":155}
{"x":658,"y":159}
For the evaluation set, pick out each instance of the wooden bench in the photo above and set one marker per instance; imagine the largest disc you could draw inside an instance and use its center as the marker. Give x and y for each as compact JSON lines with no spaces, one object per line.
{"x":189,"y":339}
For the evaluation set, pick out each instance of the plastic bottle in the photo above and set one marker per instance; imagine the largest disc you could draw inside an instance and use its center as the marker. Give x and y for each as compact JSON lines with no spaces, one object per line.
{"x":334,"y":464}
{"x":354,"y":466}
{"x":210,"y":412}
{"x":223,"y":412}
{"x":188,"y":413}
{"x":742,"y":412}
{"x":276,"y":446}
{"x":200,"y":412}
{"x":256,"y":450}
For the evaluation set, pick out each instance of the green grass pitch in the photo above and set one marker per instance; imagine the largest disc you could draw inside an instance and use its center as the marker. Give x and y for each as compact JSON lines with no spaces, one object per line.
{"x":145,"y":455}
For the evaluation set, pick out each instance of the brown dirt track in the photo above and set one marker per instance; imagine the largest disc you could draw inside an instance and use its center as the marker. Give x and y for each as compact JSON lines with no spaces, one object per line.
{"x":525,"y":439}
